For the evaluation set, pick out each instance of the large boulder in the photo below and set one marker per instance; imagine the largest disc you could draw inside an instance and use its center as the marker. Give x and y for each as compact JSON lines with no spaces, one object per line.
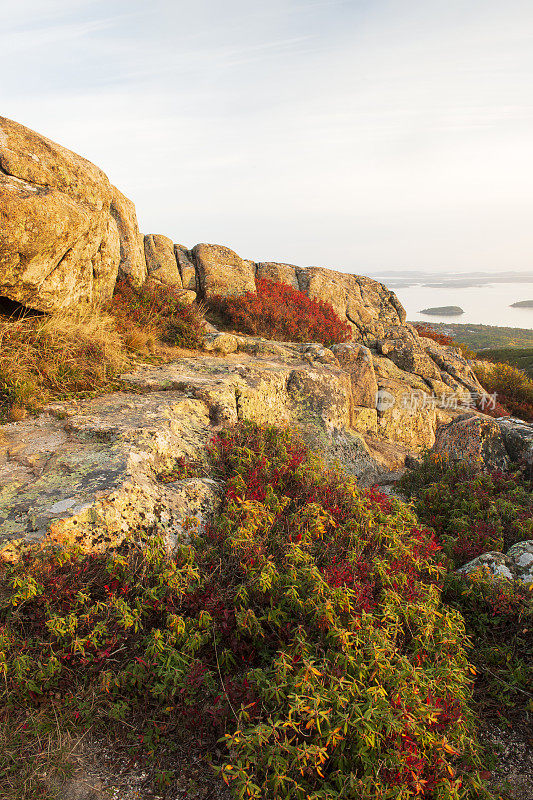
{"x":475,"y":438}
{"x":161,"y":260}
{"x":132,"y":259}
{"x":367,"y":305}
{"x":518,"y":438}
{"x":222,"y":272}
{"x":280,"y":273}
{"x":63,"y":225}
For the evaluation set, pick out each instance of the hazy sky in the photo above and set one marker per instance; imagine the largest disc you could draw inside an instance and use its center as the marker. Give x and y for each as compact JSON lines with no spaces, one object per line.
{"x":356,"y":134}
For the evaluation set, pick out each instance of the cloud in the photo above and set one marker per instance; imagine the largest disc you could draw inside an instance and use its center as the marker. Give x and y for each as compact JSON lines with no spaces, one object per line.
{"x":362,"y":134}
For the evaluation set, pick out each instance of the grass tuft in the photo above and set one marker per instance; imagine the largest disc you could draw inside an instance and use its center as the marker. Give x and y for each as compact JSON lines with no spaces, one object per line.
{"x":56,"y":357}
{"x":82,"y":353}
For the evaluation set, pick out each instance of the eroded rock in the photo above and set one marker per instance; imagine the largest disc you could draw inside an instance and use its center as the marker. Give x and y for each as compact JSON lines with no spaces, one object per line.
{"x":474,"y":438}
{"x":518,"y":439}
{"x":161,"y":260}
{"x":63,"y":225}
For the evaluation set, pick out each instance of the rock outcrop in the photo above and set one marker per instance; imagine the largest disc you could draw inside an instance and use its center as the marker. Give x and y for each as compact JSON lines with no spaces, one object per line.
{"x":515,"y":566}
{"x":475,"y":438}
{"x":88,"y":472}
{"x":64,"y":229}
{"x":371,"y":402}
{"x":518,"y":439}
{"x":161,"y":260}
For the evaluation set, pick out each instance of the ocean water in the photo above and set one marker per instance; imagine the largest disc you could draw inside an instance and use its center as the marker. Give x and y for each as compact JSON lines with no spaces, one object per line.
{"x":487,"y":305}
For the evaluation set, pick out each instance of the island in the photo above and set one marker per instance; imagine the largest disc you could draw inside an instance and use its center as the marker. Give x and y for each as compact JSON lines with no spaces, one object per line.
{"x":443,"y":311}
{"x":522,"y":304}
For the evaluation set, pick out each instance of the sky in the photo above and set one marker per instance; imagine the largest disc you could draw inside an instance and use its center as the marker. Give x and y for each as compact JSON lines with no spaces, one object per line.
{"x":362,"y":135}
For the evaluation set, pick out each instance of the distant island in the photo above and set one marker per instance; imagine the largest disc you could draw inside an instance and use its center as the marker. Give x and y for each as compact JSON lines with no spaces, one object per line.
{"x":443,"y":311}
{"x":522,"y":304}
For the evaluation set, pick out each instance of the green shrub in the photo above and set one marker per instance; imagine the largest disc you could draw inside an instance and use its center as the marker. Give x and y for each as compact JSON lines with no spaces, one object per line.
{"x":512,"y":386}
{"x":304,"y":627}
{"x":472,"y":512}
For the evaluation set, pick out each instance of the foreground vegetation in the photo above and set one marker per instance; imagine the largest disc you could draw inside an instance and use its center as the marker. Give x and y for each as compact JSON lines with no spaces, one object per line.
{"x":77,"y":354}
{"x":304,"y":628}
{"x":473,"y":512}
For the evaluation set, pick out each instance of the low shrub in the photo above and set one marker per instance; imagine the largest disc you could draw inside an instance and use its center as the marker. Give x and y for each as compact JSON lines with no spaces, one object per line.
{"x":67,"y":354}
{"x":303,"y":626}
{"x":499,"y":621}
{"x":472,"y":512}
{"x":277,"y":311}
{"x":156,"y":311}
{"x":513,"y":387}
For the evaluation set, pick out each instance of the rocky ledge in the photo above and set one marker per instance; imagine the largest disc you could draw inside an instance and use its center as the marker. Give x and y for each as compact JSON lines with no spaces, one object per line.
{"x":91,"y":471}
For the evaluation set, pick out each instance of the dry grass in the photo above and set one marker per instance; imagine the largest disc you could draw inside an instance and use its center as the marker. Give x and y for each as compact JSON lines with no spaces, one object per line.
{"x":56,"y":357}
{"x":80,"y":354}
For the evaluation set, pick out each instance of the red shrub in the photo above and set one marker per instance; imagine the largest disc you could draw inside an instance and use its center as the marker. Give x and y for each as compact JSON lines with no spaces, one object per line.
{"x":521,"y":409}
{"x":277,"y":311}
{"x":429,"y":333}
{"x":499,"y":409}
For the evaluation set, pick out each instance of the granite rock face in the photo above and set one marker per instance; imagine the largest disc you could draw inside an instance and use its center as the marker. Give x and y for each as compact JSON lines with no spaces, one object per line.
{"x":475,"y":438}
{"x":518,"y":438}
{"x":516,"y":565}
{"x":89,"y":472}
{"x":222,"y":272}
{"x":161,"y":260}
{"x":65,"y":229}
{"x":132,"y":260}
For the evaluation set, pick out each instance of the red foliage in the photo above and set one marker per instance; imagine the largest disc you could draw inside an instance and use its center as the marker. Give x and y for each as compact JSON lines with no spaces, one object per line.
{"x":499,"y":409}
{"x":519,"y":408}
{"x":477,"y":540}
{"x":158,"y":308}
{"x":277,"y":311}
{"x":429,"y":333}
